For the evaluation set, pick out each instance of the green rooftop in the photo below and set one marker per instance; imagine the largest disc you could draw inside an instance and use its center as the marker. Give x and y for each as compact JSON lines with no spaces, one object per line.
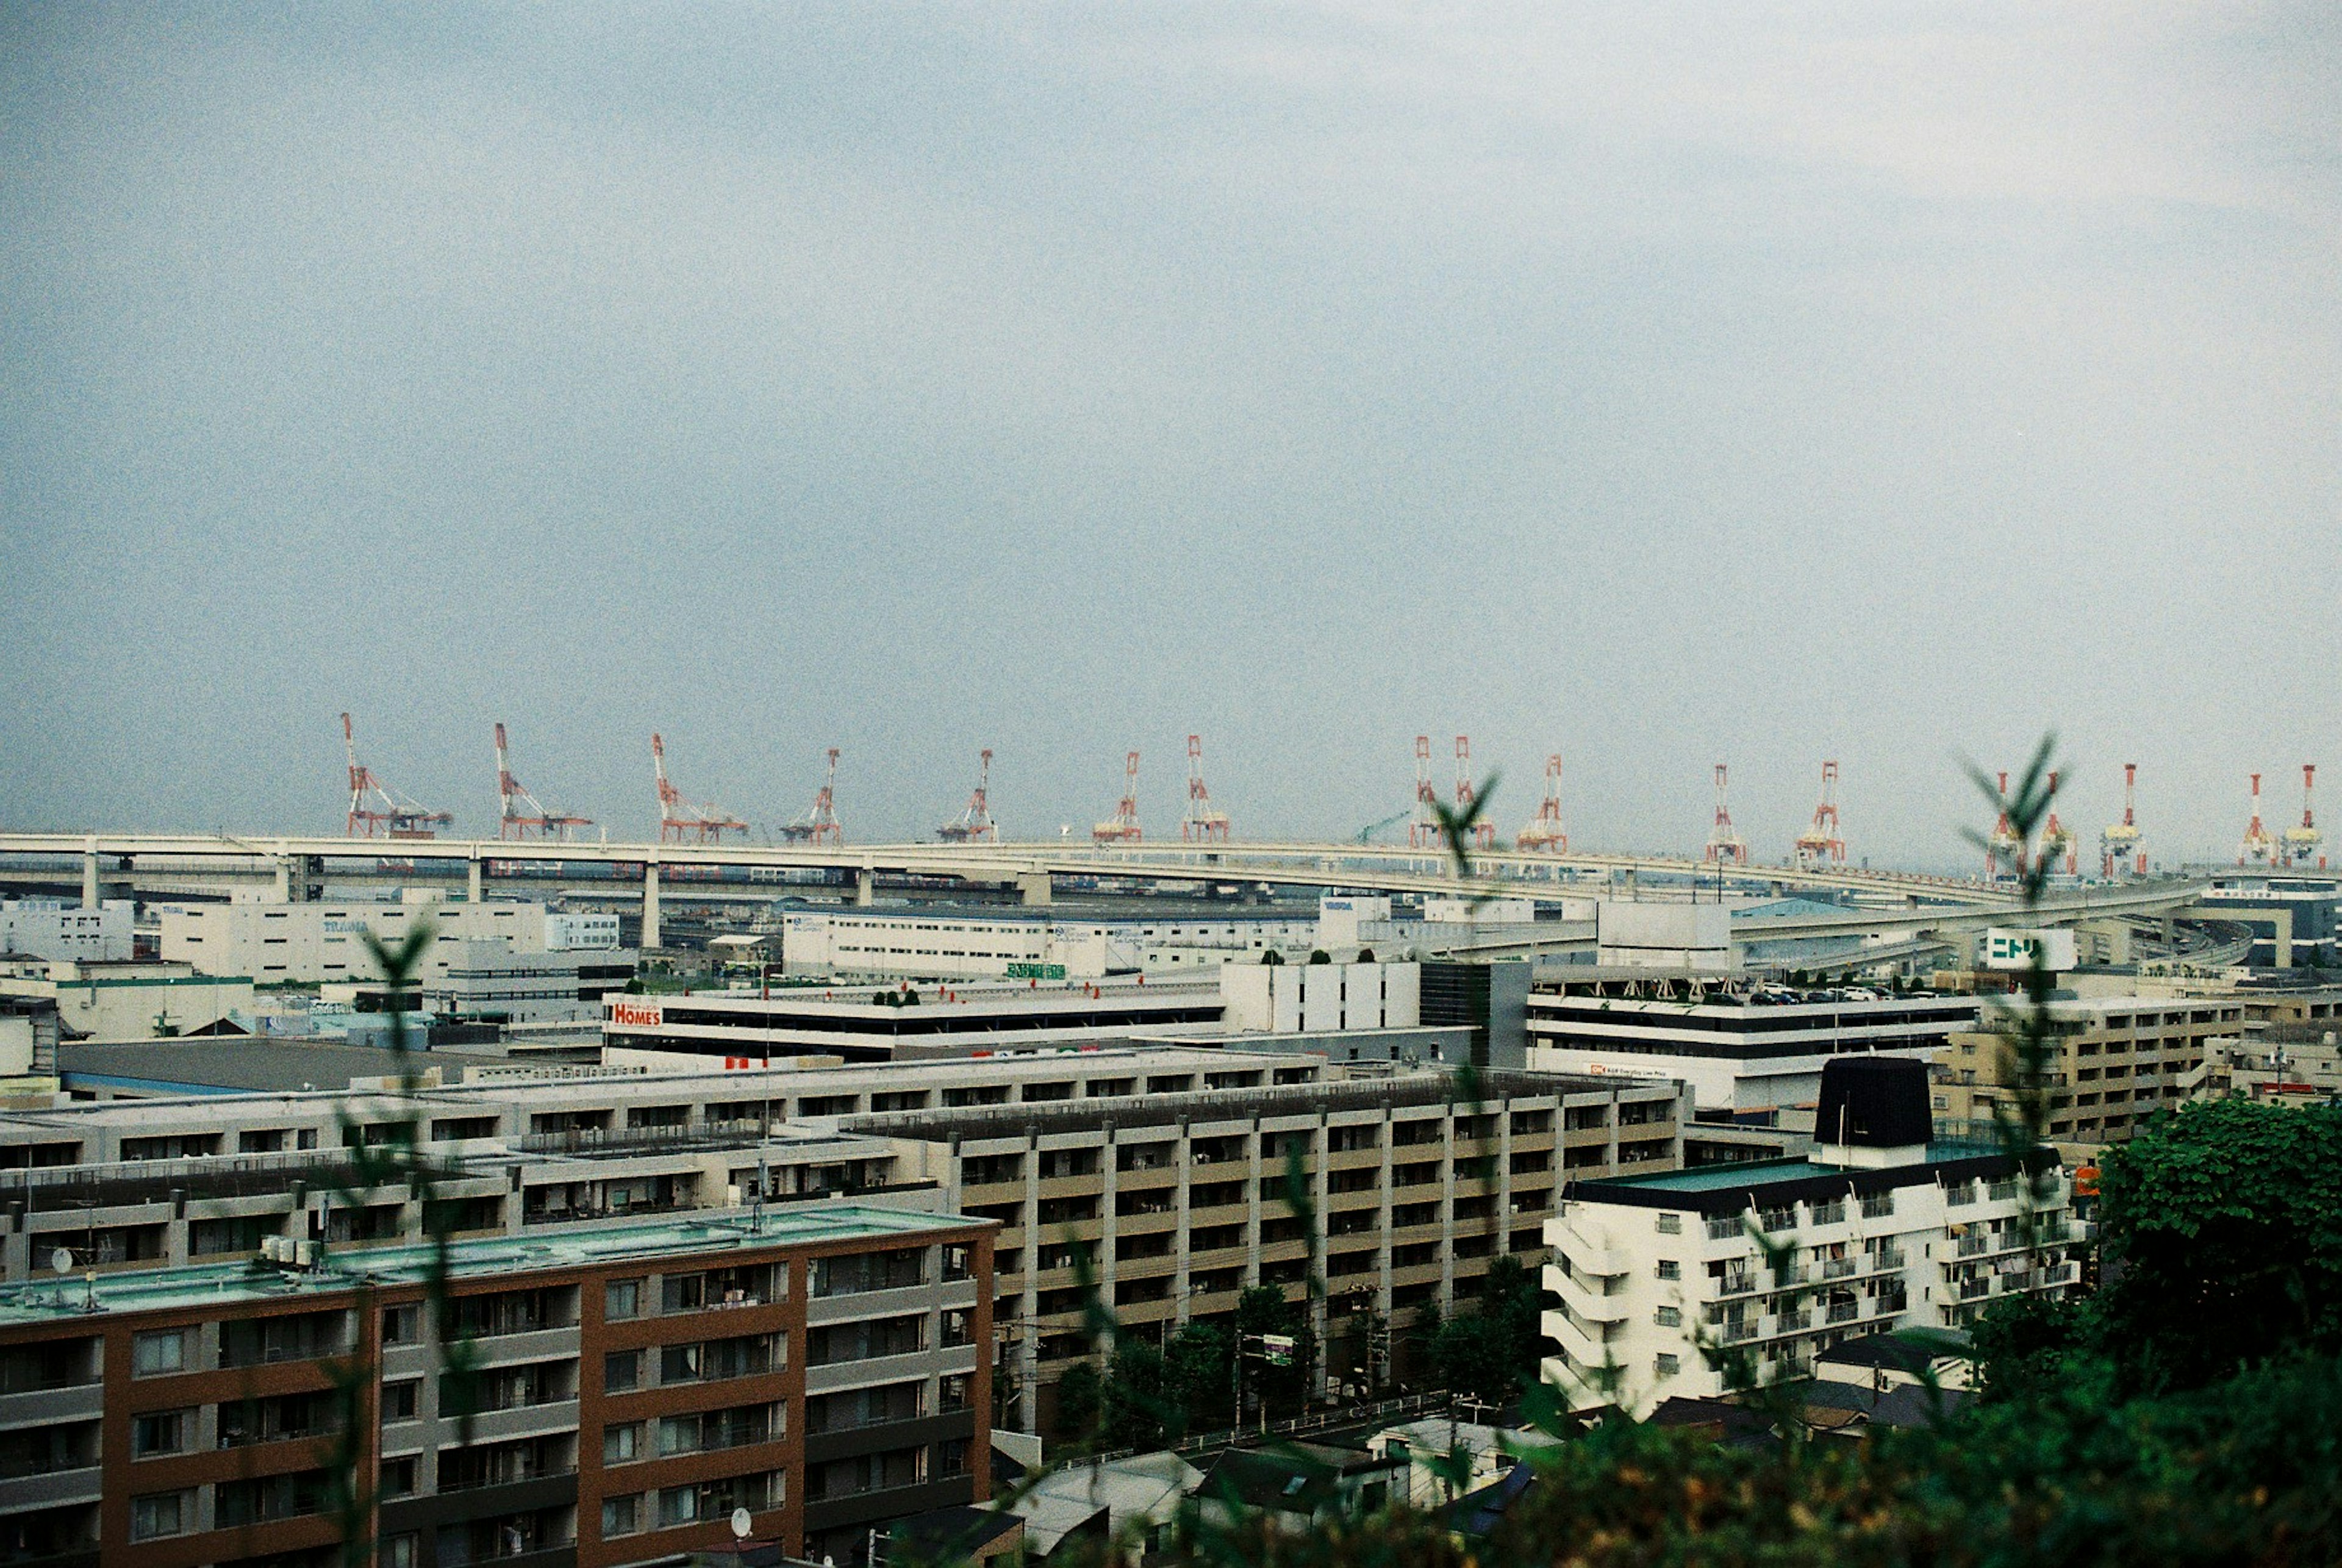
{"x":1766,"y":1172}
{"x":50,"y":1299}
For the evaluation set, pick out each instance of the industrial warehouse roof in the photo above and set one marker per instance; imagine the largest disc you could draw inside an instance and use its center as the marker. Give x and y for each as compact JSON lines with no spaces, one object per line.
{"x":346,"y":1268}
{"x":244,"y":1064}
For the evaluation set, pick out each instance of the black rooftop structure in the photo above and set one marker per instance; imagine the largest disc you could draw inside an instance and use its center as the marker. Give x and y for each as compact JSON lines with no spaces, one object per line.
{"x":1873,"y":1103}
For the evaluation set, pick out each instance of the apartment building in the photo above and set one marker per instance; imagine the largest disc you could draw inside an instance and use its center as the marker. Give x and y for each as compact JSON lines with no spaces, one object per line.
{"x":2114,"y":1062}
{"x":1742,"y":1045}
{"x":633,"y":1385}
{"x":131,"y":1183}
{"x":1177,"y":1188}
{"x":1886,"y":1230}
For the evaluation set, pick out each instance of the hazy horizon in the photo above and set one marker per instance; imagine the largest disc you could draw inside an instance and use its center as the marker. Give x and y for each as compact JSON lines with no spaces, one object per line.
{"x":1650,"y":384}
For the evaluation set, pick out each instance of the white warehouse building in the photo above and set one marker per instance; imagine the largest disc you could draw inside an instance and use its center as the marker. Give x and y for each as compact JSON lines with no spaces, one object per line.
{"x":51,"y":928}
{"x":1012,"y":945}
{"x":317,"y":942}
{"x":1662,"y":1281}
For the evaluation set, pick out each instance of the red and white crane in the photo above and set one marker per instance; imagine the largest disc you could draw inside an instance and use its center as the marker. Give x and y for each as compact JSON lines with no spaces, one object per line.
{"x":1423,"y":832}
{"x":1823,"y":844}
{"x":1725,"y":847}
{"x":375,"y":805}
{"x":1123,"y":828}
{"x":820,"y":825}
{"x":1543,"y":832}
{"x":1483,"y":833}
{"x":2298,"y":846}
{"x":975,"y":824}
{"x":2058,"y":841}
{"x":684,"y":822}
{"x":2259,"y":847}
{"x":1202,"y":821}
{"x":521,"y":814}
{"x":2004,"y":845}
{"x":2121,"y":852}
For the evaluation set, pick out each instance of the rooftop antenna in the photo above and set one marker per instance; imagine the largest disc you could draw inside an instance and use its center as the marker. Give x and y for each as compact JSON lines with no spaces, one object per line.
{"x":1544,"y":831}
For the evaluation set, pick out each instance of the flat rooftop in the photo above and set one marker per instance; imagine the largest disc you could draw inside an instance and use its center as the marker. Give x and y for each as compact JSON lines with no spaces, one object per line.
{"x":245,"y":1065}
{"x":345,"y":1268}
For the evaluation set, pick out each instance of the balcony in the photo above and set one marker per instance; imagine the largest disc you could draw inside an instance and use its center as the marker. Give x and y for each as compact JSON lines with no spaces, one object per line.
{"x":1738,"y":1333}
{"x":1588,"y":1303}
{"x":1843,"y":1311}
{"x":1972,"y":1289}
{"x":1838,"y":1268}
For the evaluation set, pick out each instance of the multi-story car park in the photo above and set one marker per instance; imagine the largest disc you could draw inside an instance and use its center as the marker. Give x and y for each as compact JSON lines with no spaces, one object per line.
{"x":860,"y":1024}
{"x":1742,"y":1045}
{"x":1884,"y":1231}
{"x":1176,"y":1187}
{"x":2114,"y":1062}
{"x":635,"y":1384}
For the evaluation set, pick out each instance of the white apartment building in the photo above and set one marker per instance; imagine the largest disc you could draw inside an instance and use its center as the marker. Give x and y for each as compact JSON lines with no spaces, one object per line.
{"x":1659,"y":1275}
{"x":1741,"y":1046}
{"x":51,"y":928}
{"x":308,"y":943}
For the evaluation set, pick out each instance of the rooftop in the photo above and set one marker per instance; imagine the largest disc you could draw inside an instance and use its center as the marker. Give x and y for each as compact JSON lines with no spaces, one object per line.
{"x":163,"y":1289}
{"x":244,"y":1064}
{"x":1769,"y":1172}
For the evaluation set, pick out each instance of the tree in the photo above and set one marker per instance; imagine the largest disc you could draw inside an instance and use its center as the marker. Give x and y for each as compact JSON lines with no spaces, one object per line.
{"x":1319,"y":956}
{"x":1080,"y":1416}
{"x":1197,"y":1375}
{"x":1139,"y":1411}
{"x":1262,"y":1310}
{"x":2222,"y":1233}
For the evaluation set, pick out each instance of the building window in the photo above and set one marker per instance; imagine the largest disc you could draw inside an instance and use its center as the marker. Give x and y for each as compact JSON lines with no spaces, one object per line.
{"x":1667,"y":1365}
{"x":397,"y":1551}
{"x":159,"y":1515}
{"x":622,"y":1299}
{"x":160,"y":1352}
{"x":622,"y":1515}
{"x":1670,"y":1317}
{"x":398,"y":1400}
{"x":159,"y":1432}
{"x":621,"y":1370}
{"x":402,"y":1324}
{"x":1670,"y":1224}
{"x":1669,"y":1269}
{"x":622,"y":1445}
{"x":399,"y":1477}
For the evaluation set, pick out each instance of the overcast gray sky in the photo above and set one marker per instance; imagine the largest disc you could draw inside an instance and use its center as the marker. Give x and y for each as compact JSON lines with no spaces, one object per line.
{"x":1655,"y":383}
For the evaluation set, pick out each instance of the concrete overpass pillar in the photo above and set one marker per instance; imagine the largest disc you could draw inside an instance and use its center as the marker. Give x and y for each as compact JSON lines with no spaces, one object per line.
{"x":286,"y":881}
{"x":1034,"y":887}
{"x":866,"y":888}
{"x":90,"y":873}
{"x":650,"y":905}
{"x":476,"y":880}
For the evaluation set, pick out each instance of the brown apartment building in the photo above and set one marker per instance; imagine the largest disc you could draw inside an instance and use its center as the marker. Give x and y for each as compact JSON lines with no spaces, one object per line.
{"x":823,"y":1368}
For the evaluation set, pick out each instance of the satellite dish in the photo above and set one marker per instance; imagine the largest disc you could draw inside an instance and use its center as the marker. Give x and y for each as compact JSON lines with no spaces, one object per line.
{"x":61,"y":1260}
{"x":740,"y":1524}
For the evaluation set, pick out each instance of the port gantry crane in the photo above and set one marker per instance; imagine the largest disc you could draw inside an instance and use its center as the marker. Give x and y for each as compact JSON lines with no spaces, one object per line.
{"x":1203,"y":822}
{"x":681,"y":820}
{"x":374,"y":804}
{"x":1468,"y":794}
{"x":520,"y":815}
{"x":820,"y":825}
{"x":1123,"y":827}
{"x":2298,"y":846}
{"x":2004,"y":846}
{"x":1423,"y":832}
{"x":2059,"y":842}
{"x":1725,"y":847}
{"x":975,"y":825}
{"x":2121,"y":850}
{"x":1543,"y":832}
{"x":2259,"y":847}
{"x":1822,"y":846}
